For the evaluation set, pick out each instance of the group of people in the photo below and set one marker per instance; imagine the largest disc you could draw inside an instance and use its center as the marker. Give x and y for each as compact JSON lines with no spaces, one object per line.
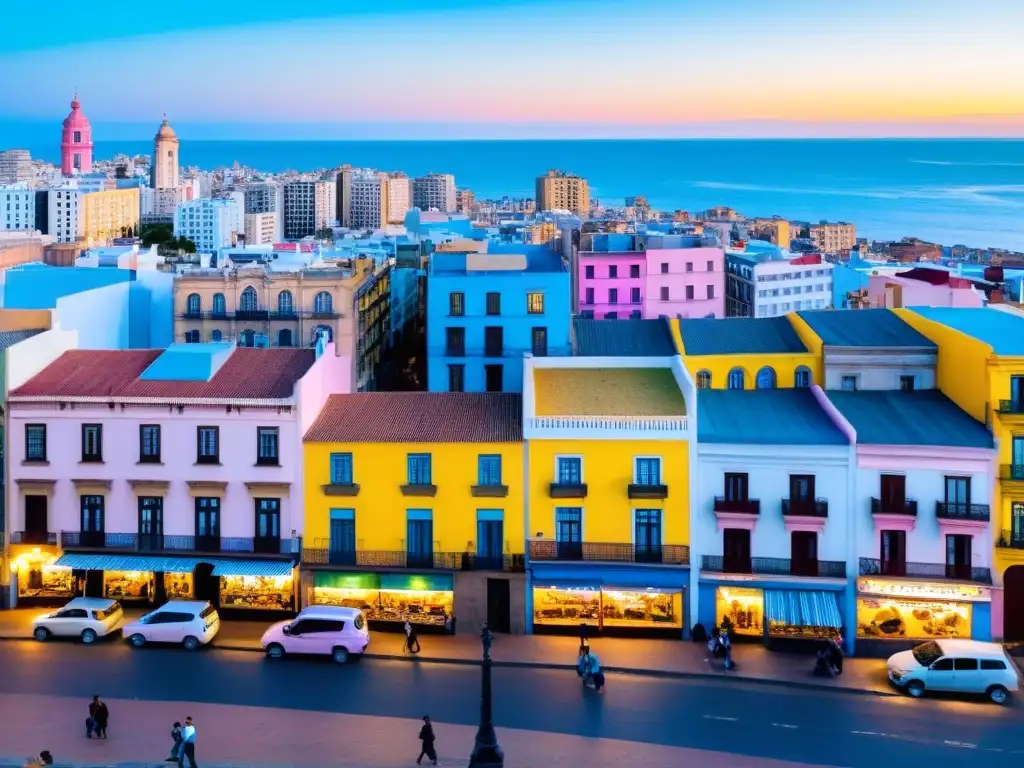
{"x":720,"y":646}
{"x":829,"y":661}
{"x":183,"y":738}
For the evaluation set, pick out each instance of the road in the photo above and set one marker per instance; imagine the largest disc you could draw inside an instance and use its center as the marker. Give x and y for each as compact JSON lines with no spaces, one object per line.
{"x":746,"y":719}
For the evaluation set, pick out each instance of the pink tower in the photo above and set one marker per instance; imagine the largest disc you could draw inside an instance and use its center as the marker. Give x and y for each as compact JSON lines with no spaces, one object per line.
{"x":76,"y":142}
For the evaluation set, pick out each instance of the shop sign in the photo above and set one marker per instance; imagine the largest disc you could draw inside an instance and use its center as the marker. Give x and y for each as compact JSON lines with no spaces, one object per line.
{"x":924,"y":590}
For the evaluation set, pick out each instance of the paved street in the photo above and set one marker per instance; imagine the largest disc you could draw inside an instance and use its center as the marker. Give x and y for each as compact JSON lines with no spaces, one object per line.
{"x":764,"y":721}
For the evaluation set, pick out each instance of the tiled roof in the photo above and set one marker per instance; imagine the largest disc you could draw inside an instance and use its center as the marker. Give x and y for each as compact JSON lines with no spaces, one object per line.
{"x":248,"y":374}
{"x":607,"y":392}
{"x":622,"y":338}
{"x":1003,"y":331}
{"x":924,"y":417}
{"x":764,"y":417}
{"x":420,"y":417}
{"x":10,"y":338}
{"x":739,"y":336}
{"x":863,"y":328}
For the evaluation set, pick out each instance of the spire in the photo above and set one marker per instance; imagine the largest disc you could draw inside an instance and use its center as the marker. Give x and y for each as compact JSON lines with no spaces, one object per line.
{"x":75,"y":104}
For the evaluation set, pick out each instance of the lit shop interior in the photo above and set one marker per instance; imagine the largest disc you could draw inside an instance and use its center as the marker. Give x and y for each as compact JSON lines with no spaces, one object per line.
{"x":776,"y":616}
{"x":609,"y":610}
{"x":922,"y":611}
{"x":389,"y":599}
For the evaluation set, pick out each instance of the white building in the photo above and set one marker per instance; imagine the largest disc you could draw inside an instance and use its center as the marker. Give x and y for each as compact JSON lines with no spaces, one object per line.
{"x":209,"y":223}
{"x":147,"y":201}
{"x":260,"y":228}
{"x":15,"y":166}
{"x":65,"y":213}
{"x":399,"y":197}
{"x":368,"y":191}
{"x":768,"y":282}
{"x":434,"y":192}
{"x":17,"y":208}
{"x":168,"y":199}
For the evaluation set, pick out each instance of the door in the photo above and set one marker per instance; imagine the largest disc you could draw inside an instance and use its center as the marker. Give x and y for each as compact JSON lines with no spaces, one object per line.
{"x":490,"y":544}
{"x":736,"y":486}
{"x":151,"y":523}
{"x":301,"y":636}
{"x":343,"y":541}
{"x":893,"y":492}
{"x":206,"y":585}
{"x":420,"y":544}
{"x":736,"y":549}
{"x":268,"y":526}
{"x":569,"y":534}
{"x":940,"y":676}
{"x":207,"y":525}
{"x":499,"y":605}
{"x":893,"y":553}
{"x":1017,"y":392}
{"x":94,"y":583}
{"x":804,"y":546}
{"x":958,"y":556}
{"x":1017,"y":524}
{"x":647,"y":536}
{"x":35,"y":520}
{"x":958,"y":496}
{"x":92,"y":530}
{"x":1013,"y":604}
{"x":1017,"y":459}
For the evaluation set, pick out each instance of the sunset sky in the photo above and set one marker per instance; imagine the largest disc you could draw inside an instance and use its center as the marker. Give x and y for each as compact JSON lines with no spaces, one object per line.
{"x":521,"y":68}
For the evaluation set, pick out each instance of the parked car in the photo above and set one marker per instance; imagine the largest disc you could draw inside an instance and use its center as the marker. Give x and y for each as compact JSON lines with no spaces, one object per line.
{"x":959,"y":666}
{"x":86,"y":618}
{"x":319,"y":630}
{"x":189,"y":622}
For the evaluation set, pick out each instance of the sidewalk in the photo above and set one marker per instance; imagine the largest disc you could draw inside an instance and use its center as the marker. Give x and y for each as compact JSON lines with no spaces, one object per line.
{"x":660,"y":658}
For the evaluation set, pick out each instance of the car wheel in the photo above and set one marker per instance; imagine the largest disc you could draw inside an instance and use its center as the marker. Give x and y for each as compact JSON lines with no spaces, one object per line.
{"x":190,"y":643}
{"x":42,"y":634}
{"x":997,"y":694}
{"x":137,"y":640}
{"x":88,"y":636}
{"x":915,"y":689}
{"x":340,"y":655}
{"x":275,"y":651}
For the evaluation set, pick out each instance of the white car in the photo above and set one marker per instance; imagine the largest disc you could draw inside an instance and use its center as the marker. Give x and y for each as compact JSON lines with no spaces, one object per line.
{"x":191,"y":623}
{"x":86,"y":618}
{"x":958,"y":666}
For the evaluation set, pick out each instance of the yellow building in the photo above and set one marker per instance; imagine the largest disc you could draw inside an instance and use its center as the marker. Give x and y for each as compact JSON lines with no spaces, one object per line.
{"x":608,"y":495}
{"x":561,"y":191}
{"x":749,"y":353}
{"x":414,"y":508}
{"x":833,"y":238}
{"x":109,"y":215}
{"x":981,"y":368}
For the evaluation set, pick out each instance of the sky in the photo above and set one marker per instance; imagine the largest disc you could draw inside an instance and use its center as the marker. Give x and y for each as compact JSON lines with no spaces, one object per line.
{"x":520,"y":68}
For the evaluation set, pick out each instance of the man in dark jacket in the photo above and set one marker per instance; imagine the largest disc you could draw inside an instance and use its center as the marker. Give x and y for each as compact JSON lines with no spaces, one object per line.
{"x":99,"y":715}
{"x":427,"y":737}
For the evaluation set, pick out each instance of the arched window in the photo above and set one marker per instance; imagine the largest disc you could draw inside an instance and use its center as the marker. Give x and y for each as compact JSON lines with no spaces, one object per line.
{"x":194,"y":303}
{"x":191,"y":337}
{"x":249,"y":302}
{"x":247,"y":338}
{"x":736,"y":379}
{"x":285,"y":305}
{"x":323,"y":303}
{"x":766,"y":378}
{"x":284,"y":338}
{"x":215,"y":336}
{"x":802,"y":378}
{"x":703,"y":379}
{"x":219,"y":305}
{"x":321,"y":329}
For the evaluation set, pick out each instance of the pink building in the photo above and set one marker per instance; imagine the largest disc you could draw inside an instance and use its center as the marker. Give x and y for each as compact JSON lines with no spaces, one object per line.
{"x":922,"y":287}
{"x":649,"y":276}
{"x":76,"y":142}
{"x":144,"y":475}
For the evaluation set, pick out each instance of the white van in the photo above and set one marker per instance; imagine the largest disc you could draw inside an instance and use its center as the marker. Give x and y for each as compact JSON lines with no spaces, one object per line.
{"x":189,"y":622}
{"x":959,"y":666}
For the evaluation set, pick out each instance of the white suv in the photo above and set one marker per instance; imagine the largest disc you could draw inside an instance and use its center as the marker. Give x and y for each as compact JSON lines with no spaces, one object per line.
{"x":190,"y":622}
{"x":86,"y":618}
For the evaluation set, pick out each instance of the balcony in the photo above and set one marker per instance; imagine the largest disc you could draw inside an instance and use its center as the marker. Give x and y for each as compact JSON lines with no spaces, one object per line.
{"x":978,"y":513}
{"x":906,"y":507}
{"x":1011,"y":540}
{"x":609,"y":427}
{"x":1012,"y":472}
{"x":775,"y":566}
{"x":738,"y":506}
{"x":418,"y":489}
{"x":38,"y":538}
{"x":159,"y":542}
{"x":567,"y":490}
{"x":638,"y":491}
{"x":489,"y":491}
{"x":400,"y":559}
{"x":1011,"y":407}
{"x":257,"y":315}
{"x":805,"y":507}
{"x":548,"y":550}
{"x":340,"y":489}
{"x":873,"y":567}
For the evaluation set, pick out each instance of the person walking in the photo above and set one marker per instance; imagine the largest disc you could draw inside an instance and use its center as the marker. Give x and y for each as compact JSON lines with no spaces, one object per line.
{"x":412,"y":642}
{"x":188,"y":745}
{"x":427,"y":737}
{"x":176,"y":739}
{"x":98,"y":715}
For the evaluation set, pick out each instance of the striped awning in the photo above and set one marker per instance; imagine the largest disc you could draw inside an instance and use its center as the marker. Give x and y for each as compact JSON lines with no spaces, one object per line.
{"x":172,"y":564}
{"x":802,"y":608}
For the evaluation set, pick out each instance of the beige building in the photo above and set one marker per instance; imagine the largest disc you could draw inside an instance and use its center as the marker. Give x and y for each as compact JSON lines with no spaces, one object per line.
{"x":399,"y":197}
{"x":165,"y":157}
{"x":260,"y":228}
{"x":560,"y":191}
{"x":833,"y":238}
{"x":108,"y":215}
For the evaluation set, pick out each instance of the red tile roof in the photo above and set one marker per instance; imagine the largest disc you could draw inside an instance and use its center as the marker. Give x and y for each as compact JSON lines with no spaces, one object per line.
{"x":247,"y":374}
{"x":420,"y":417}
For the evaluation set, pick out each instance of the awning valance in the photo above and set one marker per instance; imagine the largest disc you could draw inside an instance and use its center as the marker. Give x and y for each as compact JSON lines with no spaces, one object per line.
{"x":802,"y":608}
{"x":174,"y":564}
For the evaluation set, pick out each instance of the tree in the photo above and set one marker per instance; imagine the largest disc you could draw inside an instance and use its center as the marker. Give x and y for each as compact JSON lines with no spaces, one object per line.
{"x":156,"y":234}
{"x":325,"y":234}
{"x":183,"y":244}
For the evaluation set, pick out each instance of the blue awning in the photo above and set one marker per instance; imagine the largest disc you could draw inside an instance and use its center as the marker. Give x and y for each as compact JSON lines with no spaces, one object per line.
{"x":252,"y":567}
{"x":802,"y":608}
{"x":172,"y":564}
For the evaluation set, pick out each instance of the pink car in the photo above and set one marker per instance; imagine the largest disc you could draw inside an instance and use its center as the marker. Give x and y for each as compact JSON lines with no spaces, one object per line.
{"x":319,"y":630}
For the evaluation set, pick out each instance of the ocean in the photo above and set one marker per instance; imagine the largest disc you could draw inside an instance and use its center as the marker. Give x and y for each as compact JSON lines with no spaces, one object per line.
{"x":967,"y":192}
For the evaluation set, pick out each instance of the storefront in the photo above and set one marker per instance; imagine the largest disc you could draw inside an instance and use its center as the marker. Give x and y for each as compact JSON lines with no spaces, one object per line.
{"x":389,"y":599}
{"x":39,"y":579}
{"x":918,"y":610}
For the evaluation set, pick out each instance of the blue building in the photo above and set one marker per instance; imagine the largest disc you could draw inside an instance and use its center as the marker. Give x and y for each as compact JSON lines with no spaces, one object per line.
{"x":486,"y":310}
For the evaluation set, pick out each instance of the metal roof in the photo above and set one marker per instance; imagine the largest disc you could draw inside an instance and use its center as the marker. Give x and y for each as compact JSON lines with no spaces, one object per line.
{"x":622,"y":338}
{"x":10,"y":338}
{"x":739,"y":336}
{"x":1003,"y":331}
{"x":864,"y":328}
{"x":764,"y":417}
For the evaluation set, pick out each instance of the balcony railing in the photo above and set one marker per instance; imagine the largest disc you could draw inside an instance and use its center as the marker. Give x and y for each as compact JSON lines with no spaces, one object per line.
{"x":805,"y":507}
{"x":1012,"y":472}
{"x":574,"y":551}
{"x":774,"y":566}
{"x":649,"y":425}
{"x":1011,"y":540}
{"x":886,"y":507}
{"x":739,"y":506}
{"x":900,"y":569}
{"x":159,"y":542}
{"x":39,"y":538}
{"x":259,"y":315}
{"x":974,"y":512}
{"x":1011,"y":407}
{"x":567,"y":490}
{"x":646,"y":491}
{"x":444,"y":561}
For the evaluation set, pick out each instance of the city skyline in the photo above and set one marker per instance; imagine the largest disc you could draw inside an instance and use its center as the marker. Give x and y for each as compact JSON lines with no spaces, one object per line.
{"x":564,"y":69}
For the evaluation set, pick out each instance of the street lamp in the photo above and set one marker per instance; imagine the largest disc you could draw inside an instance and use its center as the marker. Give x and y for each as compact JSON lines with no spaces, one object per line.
{"x":486,"y":752}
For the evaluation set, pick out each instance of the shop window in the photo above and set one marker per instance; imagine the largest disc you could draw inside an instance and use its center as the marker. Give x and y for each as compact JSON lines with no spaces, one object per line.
{"x":35,"y":442}
{"x":570,"y":470}
{"x":489,"y":469}
{"x":419,"y":539}
{"x":647,"y":535}
{"x":804,"y":547}
{"x":341,"y":469}
{"x":736,"y":550}
{"x":743,"y":607}
{"x":418,"y":469}
{"x":647,"y":471}
{"x":893,"y":553}
{"x":703,"y":379}
{"x":569,"y":533}
{"x":958,"y":556}
{"x":342,"y":547}
{"x":912,"y":619}
{"x":149,"y":444}
{"x":129,"y":585}
{"x":647,"y":610}
{"x":261,"y":593}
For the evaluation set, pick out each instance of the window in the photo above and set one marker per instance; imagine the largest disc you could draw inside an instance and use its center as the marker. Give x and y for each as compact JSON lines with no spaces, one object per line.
{"x":267,"y":446}
{"x":648,"y":471}
{"x":493,"y":303}
{"x":569,"y":470}
{"x":219,"y":305}
{"x":849,"y":383}
{"x":588,"y":272}
{"x":284,"y":337}
{"x":689,"y":292}
{"x":341,"y":469}
{"x":268,"y":525}
{"x":418,"y":469}
{"x":802,"y":378}
{"x":737,"y":486}
{"x":613,"y":295}
{"x":647,"y":535}
{"x":801,"y":487}
{"x":703,"y":379}
{"x":569,"y":533}
{"x":958,"y":494}
{"x":711,"y":266}
{"x":893,"y":553}
{"x":342,"y":546}
{"x":535,"y":303}
{"x":151,"y":522}
{"x":323,"y":304}
{"x":488,"y":469}
{"x":92,"y":514}
{"x":149,"y":444}
{"x":737,"y":379}
{"x":993,"y":664}
{"x":611,"y":315}
{"x":92,"y":442}
{"x":494,"y":341}
{"x":636,"y":314}
{"x":689,"y":266}
{"x":419,"y":538}
{"x":285,"y":303}
{"x":494,"y":378}
{"x":194,"y":304}
{"x":664,"y":293}
{"x":77,"y":137}
{"x":634,"y":295}
{"x":208,"y":439}
{"x":634,"y":270}
{"x":455,"y":342}
{"x":804,"y":550}
{"x":613,"y":271}
{"x":490,"y":535}
{"x":711,"y":291}
{"x":907,"y":383}
{"x":589,"y":296}
{"x":539,"y":342}
{"x":958,"y":556}
{"x":587,"y":314}
{"x":456,"y":303}
{"x":248,"y":302}
{"x":457,"y":378}
{"x":192,"y":337}
{"x":766,"y":378}
{"x":736,"y":550}
{"x":664,"y":267}
{"x":893,"y":492}
{"x":965,"y":665}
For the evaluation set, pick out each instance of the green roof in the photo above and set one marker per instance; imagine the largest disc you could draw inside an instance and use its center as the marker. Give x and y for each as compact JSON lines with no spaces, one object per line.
{"x":764,"y":417}
{"x":864,"y":328}
{"x":1003,"y":331}
{"x":622,"y":338}
{"x":739,"y":336}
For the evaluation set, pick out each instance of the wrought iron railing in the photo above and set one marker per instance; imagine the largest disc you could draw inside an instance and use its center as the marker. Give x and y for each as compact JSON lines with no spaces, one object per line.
{"x":742,"y":506}
{"x":401,"y":559}
{"x":665,"y":554}
{"x":886,"y":507}
{"x":951,"y":511}
{"x":774,"y":566}
{"x":874,"y":567}
{"x":161,"y":542}
{"x":805,"y":507}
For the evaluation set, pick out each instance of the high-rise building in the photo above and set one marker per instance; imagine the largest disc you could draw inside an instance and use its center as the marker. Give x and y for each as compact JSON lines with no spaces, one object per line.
{"x":434,"y":192}
{"x":17,"y":208}
{"x":260,"y":228}
{"x":15,"y":166}
{"x":309,"y":206}
{"x":209,"y":223}
{"x":561,"y":191}
{"x":76,"y":142}
{"x":343,"y":191}
{"x":64,"y":214}
{"x":369,"y":207}
{"x":164,"y":171}
{"x":833,"y":238}
{"x":399,"y":197}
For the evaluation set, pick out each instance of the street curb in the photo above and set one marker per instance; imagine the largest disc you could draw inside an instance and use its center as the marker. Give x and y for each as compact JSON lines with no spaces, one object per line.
{"x":663,"y":674}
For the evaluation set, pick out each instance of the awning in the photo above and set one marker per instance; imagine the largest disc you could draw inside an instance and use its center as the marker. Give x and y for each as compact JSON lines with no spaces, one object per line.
{"x":642,"y":590}
{"x":253,"y":567}
{"x":802,"y":608}
{"x":542,"y":583}
{"x":425,"y":582}
{"x":172,"y":564}
{"x":329,"y":580}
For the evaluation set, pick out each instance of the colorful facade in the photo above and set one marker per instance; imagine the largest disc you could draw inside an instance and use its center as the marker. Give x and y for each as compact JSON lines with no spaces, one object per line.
{"x":109,"y":215}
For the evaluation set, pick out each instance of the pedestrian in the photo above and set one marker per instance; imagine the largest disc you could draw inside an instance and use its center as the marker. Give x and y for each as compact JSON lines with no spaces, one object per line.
{"x":188,"y":745}
{"x":176,"y":739}
{"x":98,"y":717}
{"x":427,"y":737}
{"x":412,"y":642}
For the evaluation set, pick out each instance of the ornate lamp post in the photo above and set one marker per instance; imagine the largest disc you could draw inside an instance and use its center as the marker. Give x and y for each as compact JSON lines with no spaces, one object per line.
{"x":486,"y":752}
